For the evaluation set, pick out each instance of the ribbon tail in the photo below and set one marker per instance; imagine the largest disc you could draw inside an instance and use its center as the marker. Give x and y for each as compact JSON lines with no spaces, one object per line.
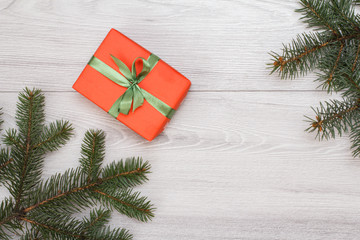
{"x":125,"y":103}
{"x":138,"y":98}
{"x":159,"y":105}
{"x":122,"y":104}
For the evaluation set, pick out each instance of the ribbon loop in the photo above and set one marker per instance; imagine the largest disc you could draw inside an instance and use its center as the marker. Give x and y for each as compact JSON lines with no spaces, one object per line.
{"x":134,"y":96}
{"x":144,"y":71}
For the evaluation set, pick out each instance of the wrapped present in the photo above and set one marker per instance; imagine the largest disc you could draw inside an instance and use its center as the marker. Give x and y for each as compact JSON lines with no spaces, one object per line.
{"x":132,"y":85}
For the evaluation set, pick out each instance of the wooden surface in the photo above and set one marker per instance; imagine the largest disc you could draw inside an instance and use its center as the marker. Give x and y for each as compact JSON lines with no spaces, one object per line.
{"x":234,"y":163}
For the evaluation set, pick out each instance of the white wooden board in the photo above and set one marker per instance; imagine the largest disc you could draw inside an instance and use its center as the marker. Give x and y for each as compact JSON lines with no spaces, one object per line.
{"x":234,"y":162}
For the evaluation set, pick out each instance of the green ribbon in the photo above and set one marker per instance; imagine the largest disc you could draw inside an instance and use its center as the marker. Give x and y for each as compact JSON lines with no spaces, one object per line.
{"x":134,"y":95}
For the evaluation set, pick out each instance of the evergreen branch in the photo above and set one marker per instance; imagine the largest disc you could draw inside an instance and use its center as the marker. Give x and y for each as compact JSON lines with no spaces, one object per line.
{"x":32,"y":234}
{"x":6,"y":218}
{"x":335,"y":52}
{"x":351,"y":87}
{"x":30,"y":115}
{"x":53,"y":231}
{"x":2,"y":166}
{"x":335,"y":65}
{"x":55,"y":136}
{"x":92,"y":153}
{"x":112,"y":234}
{"x":68,"y":191}
{"x":333,"y":118}
{"x":356,"y":58}
{"x":299,"y":57}
{"x":317,"y":14}
{"x":128,"y":203}
{"x":347,"y":20}
{"x":46,"y":207}
{"x":124,"y":174}
{"x":98,"y":218}
{"x":134,"y":169}
{"x":12,"y":139}
{"x":296,"y":55}
{"x":94,"y":227}
{"x":30,"y":118}
{"x":5,"y":160}
{"x":355,"y":138}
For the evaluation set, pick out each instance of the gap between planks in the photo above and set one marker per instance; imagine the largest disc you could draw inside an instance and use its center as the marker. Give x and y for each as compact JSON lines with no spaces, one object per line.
{"x":205,"y":91}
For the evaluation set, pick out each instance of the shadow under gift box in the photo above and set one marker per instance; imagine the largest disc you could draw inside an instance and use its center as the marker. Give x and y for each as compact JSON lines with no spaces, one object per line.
{"x":163,"y":82}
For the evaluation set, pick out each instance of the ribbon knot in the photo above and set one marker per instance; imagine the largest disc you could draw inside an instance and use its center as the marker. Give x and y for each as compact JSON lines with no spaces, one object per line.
{"x":134,"y":95}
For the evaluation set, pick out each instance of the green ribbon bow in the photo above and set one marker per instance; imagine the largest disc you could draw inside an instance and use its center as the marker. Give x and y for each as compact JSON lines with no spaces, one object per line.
{"x":134,"y":95}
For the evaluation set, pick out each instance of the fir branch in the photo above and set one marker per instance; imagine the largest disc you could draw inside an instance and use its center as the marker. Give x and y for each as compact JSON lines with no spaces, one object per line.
{"x":45,"y":208}
{"x":317,"y":14}
{"x":32,"y":234}
{"x":355,"y":138}
{"x":67,"y":191}
{"x":70,"y":229}
{"x":5,"y":160}
{"x":7,"y":225}
{"x":347,"y":20}
{"x":335,"y":65}
{"x":349,"y":84}
{"x":4,"y":164}
{"x":30,"y":118}
{"x":55,"y":136}
{"x":73,"y":187}
{"x":98,"y":219}
{"x":128,"y":203}
{"x":304,"y":53}
{"x":30,"y":115}
{"x":333,"y":118}
{"x":94,"y":227}
{"x":356,"y":58}
{"x":112,"y":234}
{"x":334,"y":51}
{"x":126,"y":174}
{"x":92,"y":154}
{"x":12,"y":139}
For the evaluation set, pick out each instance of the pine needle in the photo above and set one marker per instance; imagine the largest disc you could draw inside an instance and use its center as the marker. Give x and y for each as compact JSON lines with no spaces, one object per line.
{"x":333,"y":52}
{"x":43,"y":209}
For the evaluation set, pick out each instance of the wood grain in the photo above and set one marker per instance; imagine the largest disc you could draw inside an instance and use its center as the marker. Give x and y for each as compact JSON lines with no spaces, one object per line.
{"x":234,"y":162}
{"x":47,"y":43}
{"x":247,"y":171}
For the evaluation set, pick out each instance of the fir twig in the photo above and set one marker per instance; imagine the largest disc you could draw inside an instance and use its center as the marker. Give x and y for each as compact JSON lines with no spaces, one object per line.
{"x":333,"y":50}
{"x":45,"y":207}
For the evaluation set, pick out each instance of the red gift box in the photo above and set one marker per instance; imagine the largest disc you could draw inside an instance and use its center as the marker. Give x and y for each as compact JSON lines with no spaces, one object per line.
{"x":162,"y":82}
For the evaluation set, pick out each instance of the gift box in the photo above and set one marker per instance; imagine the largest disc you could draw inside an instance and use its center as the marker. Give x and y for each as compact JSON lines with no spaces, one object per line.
{"x":132,"y":85}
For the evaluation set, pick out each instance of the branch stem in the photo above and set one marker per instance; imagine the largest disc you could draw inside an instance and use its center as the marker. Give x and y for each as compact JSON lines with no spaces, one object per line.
{"x":336,"y":64}
{"x":120,"y":201}
{"x":9,"y":218}
{"x":356,"y":58}
{"x":88,"y":186}
{"x":283,"y":62}
{"x":26,"y":158}
{"x":321,"y":18}
{"x":6,"y":163}
{"x":49,"y":227}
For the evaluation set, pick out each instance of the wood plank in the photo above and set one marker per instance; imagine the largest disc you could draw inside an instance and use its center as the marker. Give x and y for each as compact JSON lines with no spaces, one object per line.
{"x":228,"y":166}
{"x":218,"y":45}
